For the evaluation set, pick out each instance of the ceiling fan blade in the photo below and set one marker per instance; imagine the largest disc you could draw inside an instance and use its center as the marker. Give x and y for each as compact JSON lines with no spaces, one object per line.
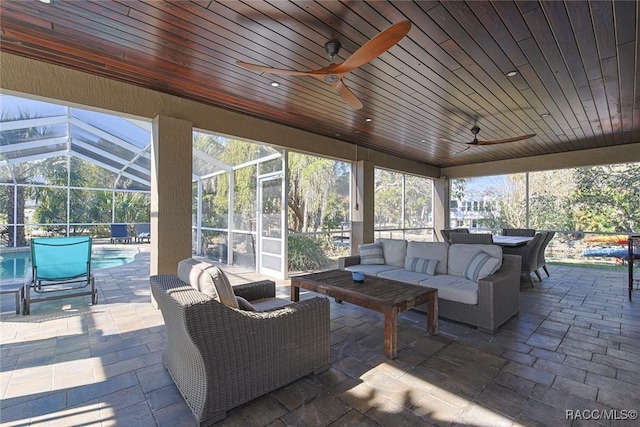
{"x":463,"y":150}
{"x":263,"y":69}
{"x":374,"y":47}
{"x":502,"y":141}
{"x":450,"y":141}
{"x":347,"y":96}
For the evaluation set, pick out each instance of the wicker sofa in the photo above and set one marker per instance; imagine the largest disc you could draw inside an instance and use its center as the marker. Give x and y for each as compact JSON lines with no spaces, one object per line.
{"x":220,"y":357}
{"x":487,"y":302}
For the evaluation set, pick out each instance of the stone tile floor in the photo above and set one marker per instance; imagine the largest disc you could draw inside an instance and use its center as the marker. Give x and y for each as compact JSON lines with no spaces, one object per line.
{"x":574,"y":347}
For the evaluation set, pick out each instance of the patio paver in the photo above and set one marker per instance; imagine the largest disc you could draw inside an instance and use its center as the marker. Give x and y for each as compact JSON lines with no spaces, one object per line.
{"x":574,"y":346}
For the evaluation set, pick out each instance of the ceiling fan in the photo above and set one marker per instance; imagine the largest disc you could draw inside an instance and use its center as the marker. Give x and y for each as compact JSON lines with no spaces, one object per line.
{"x":475,"y":130}
{"x":333,"y":73}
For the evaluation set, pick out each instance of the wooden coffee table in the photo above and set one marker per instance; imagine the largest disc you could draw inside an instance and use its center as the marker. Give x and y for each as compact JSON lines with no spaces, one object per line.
{"x":386,"y":296}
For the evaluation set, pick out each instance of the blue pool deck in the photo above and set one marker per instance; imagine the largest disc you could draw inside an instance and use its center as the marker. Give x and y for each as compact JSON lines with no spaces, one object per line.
{"x":574,"y":346}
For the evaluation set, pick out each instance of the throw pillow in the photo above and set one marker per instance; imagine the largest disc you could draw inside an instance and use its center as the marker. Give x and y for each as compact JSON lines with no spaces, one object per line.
{"x":421,"y":265}
{"x":244,"y":304}
{"x":208,"y":279}
{"x":371,"y":253}
{"x":481,"y":265}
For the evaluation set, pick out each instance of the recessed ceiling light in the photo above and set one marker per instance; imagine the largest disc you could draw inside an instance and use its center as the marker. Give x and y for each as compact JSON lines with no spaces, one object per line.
{"x":423,"y":140}
{"x":368,"y":119}
{"x":275,"y":84}
{"x":545,"y":115}
{"x":512,"y":73}
{"x":45,"y":1}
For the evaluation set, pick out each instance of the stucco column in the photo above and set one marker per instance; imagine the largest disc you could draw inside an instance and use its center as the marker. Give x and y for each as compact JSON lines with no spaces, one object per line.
{"x":441,"y":213}
{"x":171,"y":157}
{"x":362,"y":215}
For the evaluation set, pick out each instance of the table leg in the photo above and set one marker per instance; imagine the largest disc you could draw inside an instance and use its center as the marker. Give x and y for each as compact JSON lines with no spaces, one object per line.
{"x":391,"y":333}
{"x":432,"y":315}
{"x":295,"y":291}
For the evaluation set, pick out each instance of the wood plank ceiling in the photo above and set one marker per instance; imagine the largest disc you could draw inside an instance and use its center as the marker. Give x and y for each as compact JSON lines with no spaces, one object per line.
{"x":577,"y":84}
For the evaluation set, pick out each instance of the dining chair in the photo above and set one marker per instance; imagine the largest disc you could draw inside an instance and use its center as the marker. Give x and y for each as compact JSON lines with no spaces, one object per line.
{"x":525,"y":232}
{"x":529,"y":255}
{"x":542,"y":262}
{"x":472,"y":238}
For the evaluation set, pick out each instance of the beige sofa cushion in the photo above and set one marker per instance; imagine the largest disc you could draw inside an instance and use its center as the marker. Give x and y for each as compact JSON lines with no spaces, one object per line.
{"x":460,"y":256}
{"x":394,"y":250}
{"x":454,"y":288}
{"x":430,"y":250}
{"x":208,"y":279}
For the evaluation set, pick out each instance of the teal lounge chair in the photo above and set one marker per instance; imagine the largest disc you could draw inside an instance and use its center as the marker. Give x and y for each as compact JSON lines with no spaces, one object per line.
{"x":59,"y":265}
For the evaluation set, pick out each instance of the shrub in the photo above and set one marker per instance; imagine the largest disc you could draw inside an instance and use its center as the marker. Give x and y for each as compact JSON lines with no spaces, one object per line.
{"x":305,"y":253}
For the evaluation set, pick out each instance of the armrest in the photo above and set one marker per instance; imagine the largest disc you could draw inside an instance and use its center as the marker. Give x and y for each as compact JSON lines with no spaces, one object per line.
{"x":256,"y":290}
{"x":344,"y":262}
{"x":499,"y":294}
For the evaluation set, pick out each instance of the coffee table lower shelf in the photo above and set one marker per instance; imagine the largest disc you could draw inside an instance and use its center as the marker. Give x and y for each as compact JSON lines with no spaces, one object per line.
{"x":386,"y":296}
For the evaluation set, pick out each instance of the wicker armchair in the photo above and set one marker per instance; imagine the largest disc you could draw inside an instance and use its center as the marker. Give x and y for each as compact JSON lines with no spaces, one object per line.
{"x":221,"y":357}
{"x":472,"y":238}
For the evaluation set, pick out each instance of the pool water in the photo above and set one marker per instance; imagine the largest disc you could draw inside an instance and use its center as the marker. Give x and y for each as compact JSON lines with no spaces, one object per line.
{"x":17,"y":265}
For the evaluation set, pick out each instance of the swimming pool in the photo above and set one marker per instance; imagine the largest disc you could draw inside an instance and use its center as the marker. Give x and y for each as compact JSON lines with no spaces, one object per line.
{"x":17,"y":265}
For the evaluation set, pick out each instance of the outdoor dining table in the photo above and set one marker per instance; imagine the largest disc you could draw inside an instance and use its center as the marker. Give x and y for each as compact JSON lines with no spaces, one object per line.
{"x":511,"y":240}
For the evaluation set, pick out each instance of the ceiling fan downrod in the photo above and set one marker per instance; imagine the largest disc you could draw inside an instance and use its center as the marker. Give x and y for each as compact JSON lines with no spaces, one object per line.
{"x":475,"y":130}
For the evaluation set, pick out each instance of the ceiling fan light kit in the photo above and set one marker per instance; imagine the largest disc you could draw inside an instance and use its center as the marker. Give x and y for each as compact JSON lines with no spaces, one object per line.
{"x":333,"y":73}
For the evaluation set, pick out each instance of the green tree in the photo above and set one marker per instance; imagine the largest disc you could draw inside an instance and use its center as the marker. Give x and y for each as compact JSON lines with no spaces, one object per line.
{"x":22,"y":173}
{"x":388,"y":194}
{"x":607,"y":198}
{"x":313,"y":197}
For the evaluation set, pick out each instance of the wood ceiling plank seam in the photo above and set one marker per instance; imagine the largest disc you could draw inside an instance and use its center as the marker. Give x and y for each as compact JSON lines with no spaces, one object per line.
{"x":240,"y":71}
{"x":477,"y":78}
{"x":197,"y":88}
{"x":625,"y":21}
{"x":603,"y":27}
{"x":10,"y":10}
{"x":377,"y":62}
{"x":228,"y":35}
{"x":538,"y":89}
{"x":405,"y":61}
{"x":168,"y":40}
{"x":489,"y":18}
{"x":611,"y":77}
{"x":488,"y":100}
{"x":555,"y":62}
{"x":510,"y":14}
{"x":267,"y":10}
{"x":556,"y":101}
{"x":565,"y":35}
{"x":14,"y":43}
{"x":484,"y":51}
{"x":279,"y":38}
{"x":512,"y":148}
{"x":56,"y":32}
{"x":164,"y":50}
{"x":514,"y":22}
{"x":581,"y":21}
